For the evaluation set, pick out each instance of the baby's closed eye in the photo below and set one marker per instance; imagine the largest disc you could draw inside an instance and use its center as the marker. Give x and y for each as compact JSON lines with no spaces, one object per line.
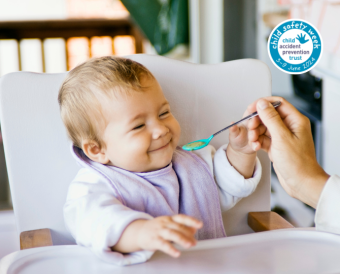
{"x":164,"y":113}
{"x":138,"y":127}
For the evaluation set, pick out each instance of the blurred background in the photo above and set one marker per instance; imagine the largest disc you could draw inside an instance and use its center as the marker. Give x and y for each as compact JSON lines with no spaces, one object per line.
{"x":56,"y":35}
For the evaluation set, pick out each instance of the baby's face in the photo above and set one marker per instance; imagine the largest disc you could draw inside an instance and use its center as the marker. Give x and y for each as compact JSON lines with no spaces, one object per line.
{"x":141,"y":134}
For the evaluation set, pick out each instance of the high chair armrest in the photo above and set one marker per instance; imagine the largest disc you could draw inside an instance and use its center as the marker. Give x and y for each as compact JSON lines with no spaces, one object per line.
{"x":267,"y":220}
{"x":35,"y":238}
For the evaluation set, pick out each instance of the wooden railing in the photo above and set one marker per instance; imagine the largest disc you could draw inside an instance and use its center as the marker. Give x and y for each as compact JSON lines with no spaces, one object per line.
{"x":68,"y":28}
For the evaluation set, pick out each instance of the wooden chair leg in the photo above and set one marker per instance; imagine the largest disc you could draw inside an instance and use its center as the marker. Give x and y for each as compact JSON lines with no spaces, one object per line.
{"x":267,"y":220}
{"x":35,"y":238}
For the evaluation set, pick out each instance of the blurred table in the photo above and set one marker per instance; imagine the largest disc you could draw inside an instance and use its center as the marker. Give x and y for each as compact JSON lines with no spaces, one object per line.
{"x":280,"y":251}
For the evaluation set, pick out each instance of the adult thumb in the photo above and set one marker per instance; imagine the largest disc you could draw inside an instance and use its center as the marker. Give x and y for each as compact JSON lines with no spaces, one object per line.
{"x":271,"y":118}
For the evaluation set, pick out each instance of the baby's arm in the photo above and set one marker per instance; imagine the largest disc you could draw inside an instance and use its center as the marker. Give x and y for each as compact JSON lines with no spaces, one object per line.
{"x":231,"y":184}
{"x":158,"y":233}
{"x":97,"y":219}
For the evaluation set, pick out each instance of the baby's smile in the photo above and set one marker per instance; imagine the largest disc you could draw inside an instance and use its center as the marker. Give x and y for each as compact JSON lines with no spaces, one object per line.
{"x":167,"y":144}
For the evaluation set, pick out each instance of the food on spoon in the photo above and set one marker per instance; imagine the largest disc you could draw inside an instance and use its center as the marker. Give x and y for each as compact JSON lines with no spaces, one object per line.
{"x":194,"y":144}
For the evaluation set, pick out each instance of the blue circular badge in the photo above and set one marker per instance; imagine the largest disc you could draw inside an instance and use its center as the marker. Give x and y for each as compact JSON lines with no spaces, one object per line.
{"x":295,"y":46}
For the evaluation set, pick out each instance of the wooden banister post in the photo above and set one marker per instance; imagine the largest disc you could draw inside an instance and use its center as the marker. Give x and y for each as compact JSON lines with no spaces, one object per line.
{"x":35,"y":238}
{"x":265,"y":221}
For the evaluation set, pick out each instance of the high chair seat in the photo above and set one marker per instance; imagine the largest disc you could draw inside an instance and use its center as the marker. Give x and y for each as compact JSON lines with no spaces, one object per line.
{"x":204,"y":99}
{"x":280,"y":251}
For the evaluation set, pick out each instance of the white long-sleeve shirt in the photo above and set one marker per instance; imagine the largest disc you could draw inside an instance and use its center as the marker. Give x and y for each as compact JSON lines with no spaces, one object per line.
{"x":327,"y":216}
{"x":97,"y":219}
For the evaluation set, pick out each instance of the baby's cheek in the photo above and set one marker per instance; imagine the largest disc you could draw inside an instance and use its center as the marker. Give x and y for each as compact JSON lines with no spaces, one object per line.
{"x":176,"y":131}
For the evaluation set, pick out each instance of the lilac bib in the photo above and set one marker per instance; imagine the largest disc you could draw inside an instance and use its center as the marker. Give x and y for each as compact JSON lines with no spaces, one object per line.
{"x":186,"y":186}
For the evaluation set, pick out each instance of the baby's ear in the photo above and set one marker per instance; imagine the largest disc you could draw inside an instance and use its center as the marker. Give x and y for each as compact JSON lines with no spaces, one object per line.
{"x":94,"y":152}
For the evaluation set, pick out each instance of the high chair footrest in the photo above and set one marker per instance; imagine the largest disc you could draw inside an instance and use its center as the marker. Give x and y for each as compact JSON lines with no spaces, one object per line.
{"x":35,"y":238}
{"x":267,"y":220}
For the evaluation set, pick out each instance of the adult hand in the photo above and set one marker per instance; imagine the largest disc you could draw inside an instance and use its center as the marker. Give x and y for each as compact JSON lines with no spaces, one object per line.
{"x":286,"y":135}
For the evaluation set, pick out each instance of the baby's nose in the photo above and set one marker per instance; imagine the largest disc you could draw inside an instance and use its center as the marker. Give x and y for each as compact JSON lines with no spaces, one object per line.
{"x":159,"y":130}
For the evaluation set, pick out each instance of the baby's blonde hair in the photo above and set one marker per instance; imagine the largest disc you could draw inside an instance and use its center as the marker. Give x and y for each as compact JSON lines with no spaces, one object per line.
{"x":80,"y":108}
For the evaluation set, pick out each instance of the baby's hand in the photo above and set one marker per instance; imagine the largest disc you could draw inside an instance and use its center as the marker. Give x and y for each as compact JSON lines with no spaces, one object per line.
{"x":161,"y":232}
{"x":239,"y":152}
{"x":238,"y":139}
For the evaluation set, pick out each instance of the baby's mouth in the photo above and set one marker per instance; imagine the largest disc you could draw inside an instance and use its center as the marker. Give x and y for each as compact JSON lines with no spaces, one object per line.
{"x":167,"y":144}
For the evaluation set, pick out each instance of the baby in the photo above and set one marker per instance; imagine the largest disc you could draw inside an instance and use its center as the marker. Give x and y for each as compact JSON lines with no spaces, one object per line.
{"x":137,"y":191}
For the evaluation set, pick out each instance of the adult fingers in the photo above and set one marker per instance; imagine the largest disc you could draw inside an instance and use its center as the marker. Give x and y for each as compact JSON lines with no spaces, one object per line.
{"x":254,"y":122}
{"x":256,"y":146}
{"x":263,"y":143}
{"x":287,"y":111}
{"x":254,"y":134}
{"x":271,"y":119}
{"x":187,"y":220}
{"x":252,"y":107}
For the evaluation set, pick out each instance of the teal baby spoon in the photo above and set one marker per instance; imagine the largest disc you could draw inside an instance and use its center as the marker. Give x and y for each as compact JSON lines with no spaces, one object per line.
{"x":195,"y":145}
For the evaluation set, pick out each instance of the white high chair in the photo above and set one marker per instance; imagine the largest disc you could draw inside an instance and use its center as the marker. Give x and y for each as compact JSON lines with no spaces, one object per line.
{"x":204,"y":99}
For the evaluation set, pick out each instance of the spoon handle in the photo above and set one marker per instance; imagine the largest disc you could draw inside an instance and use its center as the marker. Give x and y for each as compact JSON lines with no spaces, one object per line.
{"x":275,"y":105}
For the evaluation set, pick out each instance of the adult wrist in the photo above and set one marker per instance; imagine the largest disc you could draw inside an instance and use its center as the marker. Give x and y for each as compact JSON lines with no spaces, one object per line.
{"x":311,"y":188}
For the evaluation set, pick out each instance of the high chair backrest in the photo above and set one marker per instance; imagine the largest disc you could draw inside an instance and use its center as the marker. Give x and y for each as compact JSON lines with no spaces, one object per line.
{"x":204,"y":99}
